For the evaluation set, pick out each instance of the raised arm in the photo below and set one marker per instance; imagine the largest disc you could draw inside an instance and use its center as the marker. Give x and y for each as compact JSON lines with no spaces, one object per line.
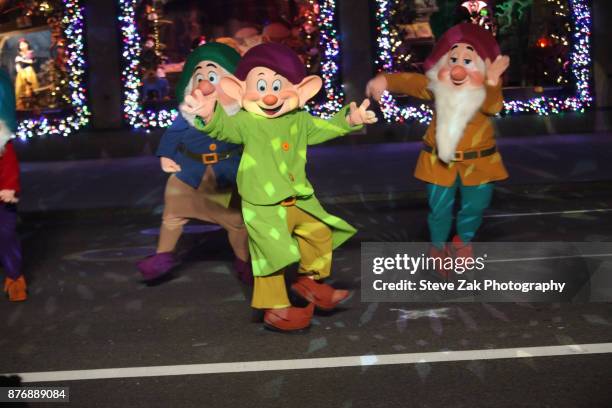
{"x":212,"y":119}
{"x":494,"y":100}
{"x":222,"y":127}
{"x":349,"y":119}
{"x":409,"y":83}
{"x":405,"y":83}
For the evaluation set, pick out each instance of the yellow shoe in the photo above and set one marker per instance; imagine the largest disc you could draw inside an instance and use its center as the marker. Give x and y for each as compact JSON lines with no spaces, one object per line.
{"x":16,"y":289}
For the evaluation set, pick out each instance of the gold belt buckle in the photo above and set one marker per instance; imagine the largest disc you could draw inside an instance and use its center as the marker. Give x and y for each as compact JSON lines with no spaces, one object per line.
{"x":288,"y":202}
{"x":210,"y":158}
{"x":458,"y":156}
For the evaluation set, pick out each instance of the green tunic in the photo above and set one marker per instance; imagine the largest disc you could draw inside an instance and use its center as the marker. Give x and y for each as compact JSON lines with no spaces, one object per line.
{"x":272,"y":169}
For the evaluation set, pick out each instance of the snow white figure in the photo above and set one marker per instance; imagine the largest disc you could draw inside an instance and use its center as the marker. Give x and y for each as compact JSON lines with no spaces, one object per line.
{"x":26,"y":81}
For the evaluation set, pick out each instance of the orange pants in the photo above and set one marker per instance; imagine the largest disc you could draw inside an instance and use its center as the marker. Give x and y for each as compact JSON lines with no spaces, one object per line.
{"x":314,"y":239}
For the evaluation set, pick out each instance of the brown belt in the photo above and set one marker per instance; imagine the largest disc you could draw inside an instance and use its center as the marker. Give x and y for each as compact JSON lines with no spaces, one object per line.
{"x":470,"y":155}
{"x":209,"y":158}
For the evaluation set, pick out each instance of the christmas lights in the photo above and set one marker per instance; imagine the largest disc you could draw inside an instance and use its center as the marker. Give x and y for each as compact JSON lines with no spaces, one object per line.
{"x":139,"y":118}
{"x":580,"y":57}
{"x":72,"y":22}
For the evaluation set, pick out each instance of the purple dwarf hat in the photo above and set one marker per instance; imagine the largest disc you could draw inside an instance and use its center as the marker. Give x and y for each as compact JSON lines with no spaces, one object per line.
{"x":277,"y":57}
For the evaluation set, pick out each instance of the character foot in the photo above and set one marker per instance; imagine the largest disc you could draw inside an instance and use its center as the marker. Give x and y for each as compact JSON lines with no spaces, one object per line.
{"x":156,"y":266}
{"x":16,"y":289}
{"x":289,"y":318}
{"x":439,"y":255}
{"x":322,"y":295}
{"x":460,"y":249}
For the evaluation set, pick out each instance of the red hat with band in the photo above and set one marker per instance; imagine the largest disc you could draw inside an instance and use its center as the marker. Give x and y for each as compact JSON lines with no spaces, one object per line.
{"x":478,"y":37}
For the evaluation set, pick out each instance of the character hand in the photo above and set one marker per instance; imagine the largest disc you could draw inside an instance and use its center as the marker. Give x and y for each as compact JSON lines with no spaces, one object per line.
{"x":8,"y":196}
{"x":376,"y":87}
{"x":360,"y":115}
{"x":198,"y":104}
{"x":495,"y":69}
{"x":169,"y":165}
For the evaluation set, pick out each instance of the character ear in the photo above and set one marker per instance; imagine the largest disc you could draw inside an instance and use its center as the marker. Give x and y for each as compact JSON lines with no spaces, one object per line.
{"x":233,"y":87}
{"x":308,"y":88}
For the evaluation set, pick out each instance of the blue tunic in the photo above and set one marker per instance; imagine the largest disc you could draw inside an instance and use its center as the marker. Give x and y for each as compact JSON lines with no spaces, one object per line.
{"x":192,"y":171}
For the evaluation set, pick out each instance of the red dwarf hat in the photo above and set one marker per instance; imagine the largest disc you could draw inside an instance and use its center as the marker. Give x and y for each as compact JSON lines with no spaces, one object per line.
{"x":478,"y":37}
{"x":277,"y":57}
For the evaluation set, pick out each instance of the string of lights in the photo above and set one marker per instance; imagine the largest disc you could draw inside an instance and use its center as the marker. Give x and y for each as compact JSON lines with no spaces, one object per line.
{"x":580,"y":57}
{"x":139,"y":118}
{"x":334,"y":93}
{"x":72,"y":22}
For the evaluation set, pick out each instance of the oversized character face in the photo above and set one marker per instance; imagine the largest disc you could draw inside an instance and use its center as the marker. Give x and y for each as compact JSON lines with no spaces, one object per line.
{"x":207,"y":77}
{"x":269,"y":94}
{"x":463,"y":67}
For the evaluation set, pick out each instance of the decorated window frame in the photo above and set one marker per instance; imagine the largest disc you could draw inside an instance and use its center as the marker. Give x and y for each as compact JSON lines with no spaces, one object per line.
{"x":140,"y":118}
{"x":580,"y":57}
{"x":77,"y":115}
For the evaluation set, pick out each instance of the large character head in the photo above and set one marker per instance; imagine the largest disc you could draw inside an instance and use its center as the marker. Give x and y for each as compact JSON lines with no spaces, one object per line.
{"x":204,"y":69}
{"x":459,"y":56}
{"x":8,"y":122}
{"x":271,"y":81}
{"x":456,"y":70}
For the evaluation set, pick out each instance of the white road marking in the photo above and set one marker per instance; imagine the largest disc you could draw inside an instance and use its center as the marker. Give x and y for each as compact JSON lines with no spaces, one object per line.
{"x":312,"y":363}
{"x":532,"y":214}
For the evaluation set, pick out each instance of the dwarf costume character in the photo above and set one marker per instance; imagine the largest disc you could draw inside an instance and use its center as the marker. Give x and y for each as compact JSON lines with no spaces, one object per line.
{"x":285,"y":221}
{"x":459,"y":152}
{"x":10,"y":249}
{"x":203,"y":183}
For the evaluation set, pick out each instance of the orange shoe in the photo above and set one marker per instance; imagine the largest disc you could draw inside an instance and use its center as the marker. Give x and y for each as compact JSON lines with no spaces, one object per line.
{"x":440,"y":256}
{"x":289,"y":318}
{"x":460,"y":249}
{"x":16,"y":289}
{"x":323,"y":296}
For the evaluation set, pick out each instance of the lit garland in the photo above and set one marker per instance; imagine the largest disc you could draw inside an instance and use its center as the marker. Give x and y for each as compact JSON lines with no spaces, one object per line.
{"x":140,"y":119}
{"x":72,"y":22}
{"x":133,"y":112}
{"x":328,"y":41}
{"x":580,"y":58}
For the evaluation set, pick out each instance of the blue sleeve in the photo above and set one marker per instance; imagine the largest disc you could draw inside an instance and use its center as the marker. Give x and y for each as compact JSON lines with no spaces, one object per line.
{"x":168,"y":145}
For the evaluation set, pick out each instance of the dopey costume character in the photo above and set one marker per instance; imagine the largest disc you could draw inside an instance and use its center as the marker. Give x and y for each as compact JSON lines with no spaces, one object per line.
{"x":10,"y":249}
{"x":204,"y":170}
{"x":463,"y":77}
{"x":285,"y":221}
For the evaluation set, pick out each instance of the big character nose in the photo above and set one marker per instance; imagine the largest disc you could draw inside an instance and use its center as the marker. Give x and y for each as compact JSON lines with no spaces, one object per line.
{"x":458,"y":73}
{"x":270,"y":100}
{"x":206,"y":87}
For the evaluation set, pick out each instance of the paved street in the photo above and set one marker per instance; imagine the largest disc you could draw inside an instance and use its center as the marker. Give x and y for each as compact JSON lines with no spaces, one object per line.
{"x":85,"y":223}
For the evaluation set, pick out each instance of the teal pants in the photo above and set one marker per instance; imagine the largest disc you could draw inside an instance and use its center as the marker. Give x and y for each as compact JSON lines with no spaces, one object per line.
{"x":474,"y":200}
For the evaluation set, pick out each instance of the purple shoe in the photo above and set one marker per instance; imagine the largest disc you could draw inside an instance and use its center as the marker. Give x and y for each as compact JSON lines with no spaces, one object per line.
{"x":244,"y":271}
{"x":155,"y":266}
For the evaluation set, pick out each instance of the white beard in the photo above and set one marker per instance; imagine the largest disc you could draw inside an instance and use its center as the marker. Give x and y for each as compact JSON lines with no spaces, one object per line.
{"x":5,"y":136}
{"x":454,"y":109}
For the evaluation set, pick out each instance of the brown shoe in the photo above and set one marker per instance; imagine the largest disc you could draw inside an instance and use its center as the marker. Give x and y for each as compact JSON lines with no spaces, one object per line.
{"x":323,"y":296}
{"x":16,"y":289}
{"x":289,"y":318}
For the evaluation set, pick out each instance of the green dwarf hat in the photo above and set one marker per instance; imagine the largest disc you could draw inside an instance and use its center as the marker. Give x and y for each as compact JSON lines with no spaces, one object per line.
{"x":7,"y":101}
{"x":222,"y":54}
